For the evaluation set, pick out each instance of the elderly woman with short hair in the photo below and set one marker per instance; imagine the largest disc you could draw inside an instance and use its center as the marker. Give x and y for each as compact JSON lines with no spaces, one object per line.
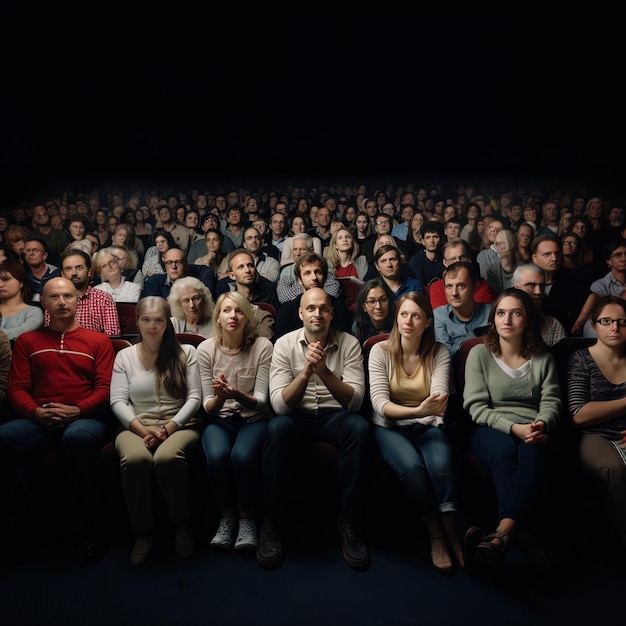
{"x":191,"y":305}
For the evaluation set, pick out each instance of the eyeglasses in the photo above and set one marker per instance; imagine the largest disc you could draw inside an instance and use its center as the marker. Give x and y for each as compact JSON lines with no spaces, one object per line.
{"x":111,"y":264}
{"x":372,"y":303}
{"x":618,"y":255}
{"x":494,"y":229}
{"x":187,"y":301}
{"x":379,"y":222}
{"x":174,"y":262}
{"x":607,"y":321}
{"x":570,"y":243}
{"x":251,"y":237}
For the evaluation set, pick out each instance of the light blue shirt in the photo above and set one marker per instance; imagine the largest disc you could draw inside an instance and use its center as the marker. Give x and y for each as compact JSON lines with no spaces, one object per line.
{"x":452,"y":332}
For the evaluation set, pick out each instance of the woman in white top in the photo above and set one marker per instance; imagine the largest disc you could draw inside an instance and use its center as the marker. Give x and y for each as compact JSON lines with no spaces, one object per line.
{"x":191,"y":305}
{"x":107,"y":266}
{"x":408,"y":376}
{"x":155,"y":395}
{"x":234,"y":370}
{"x":16,"y":315}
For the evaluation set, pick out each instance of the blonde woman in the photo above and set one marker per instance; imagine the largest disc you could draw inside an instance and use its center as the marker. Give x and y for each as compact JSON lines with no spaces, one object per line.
{"x":343,"y":255}
{"x":107,"y":267}
{"x":234,"y":370}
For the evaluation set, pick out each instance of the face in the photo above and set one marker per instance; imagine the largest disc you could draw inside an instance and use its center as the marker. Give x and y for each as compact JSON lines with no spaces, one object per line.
{"x":110,"y":267}
{"x":617,"y":260}
{"x":277,"y":224}
{"x":459,"y":289}
{"x":550,"y":212}
{"x":311,"y":275}
{"x":191,"y":302}
{"x":530,"y":215}
{"x":191,"y":220}
{"x":613,"y":334}
{"x":41,"y":215}
{"x":510,"y":318}
{"x":417,"y":222}
{"x":453,"y":254}
{"x":161,"y":244}
{"x":362,"y":223}
{"x":533,"y":284}
{"x":502,"y":246}
{"x":383,"y":225}
{"x":388,"y":264}
{"x":165,"y":215}
{"x":580,"y":228}
{"x":243,"y":269}
{"x":152,"y":324}
{"x":298,"y":225}
{"x":34,"y":253}
{"x":376,"y":304}
{"x":371,"y":207}
{"x":453,"y":230}
{"x":594,"y":209}
{"x":344,"y":239}
{"x":119,"y":238}
{"x":60,"y":298}
{"x":411,"y":320}
{"x":315,"y":312}
{"x":616,"y":217}
{"x":75,"y":269}
{"x":472,"y":213}
{"x":231,"y":318}
{"x":313,"y":215}
{"x":524,"y":235}
{"x":493,"y":229}
{"x":9,"y":286}
{"x":431,"y":241}
{"x":209,"y":221}
{"x":569,"y":246}
{"x":175,"y":263}
{"x":547,"y":256}
{"x":350,"y":214}
{"x":261,"y":227}
{"x":323,"y":217}
{"x":298,"y":248}
{"x":515,"y":212}
{"x":252,"y":240}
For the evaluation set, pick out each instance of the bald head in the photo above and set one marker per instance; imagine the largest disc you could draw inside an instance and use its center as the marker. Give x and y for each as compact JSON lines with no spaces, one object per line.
{"x":59,"y":297}
{"x":316,"y":313}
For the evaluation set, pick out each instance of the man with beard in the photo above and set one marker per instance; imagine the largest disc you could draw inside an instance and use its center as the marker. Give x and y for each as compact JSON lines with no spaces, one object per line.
{"x":96,"y":309}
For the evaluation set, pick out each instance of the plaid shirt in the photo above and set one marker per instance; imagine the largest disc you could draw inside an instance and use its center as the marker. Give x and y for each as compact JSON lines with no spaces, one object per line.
{"x":96,"y":311}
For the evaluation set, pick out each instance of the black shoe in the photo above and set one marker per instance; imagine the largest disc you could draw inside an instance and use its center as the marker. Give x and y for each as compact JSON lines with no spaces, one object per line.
{"x":473,"y":537}
{"x":269,"y":551}
{"x":93,"y":551}
{"x":354,"y":549}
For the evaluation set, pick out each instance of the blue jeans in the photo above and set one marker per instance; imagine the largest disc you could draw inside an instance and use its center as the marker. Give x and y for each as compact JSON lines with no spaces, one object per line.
{"x":234,"y":449}
{"x":422,"y":458}
{"x":287,"y":434}
{"x":23,"y":442}
{"x":514,"y":465}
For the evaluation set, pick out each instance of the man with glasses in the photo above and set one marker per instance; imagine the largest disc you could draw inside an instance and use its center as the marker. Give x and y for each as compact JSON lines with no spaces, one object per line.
{"x":532,"y":279}
{"x":266,"y":266}
{"x":382,"y":226}
{"x":37,"y":268}
{"x":56,"y":239}
{"x":611,"y":284}
{"x":176,"y":266}
{"x":462,"y":318}
{"x":453,"y":251}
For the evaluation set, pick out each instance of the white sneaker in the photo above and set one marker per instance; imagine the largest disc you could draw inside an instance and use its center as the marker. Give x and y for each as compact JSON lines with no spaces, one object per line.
{"x":246,"y":537}
{"x":225,"y":534}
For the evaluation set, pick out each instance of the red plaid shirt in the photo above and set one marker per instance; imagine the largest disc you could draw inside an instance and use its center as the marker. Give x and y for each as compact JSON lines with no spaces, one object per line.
{"x":96,"y":311}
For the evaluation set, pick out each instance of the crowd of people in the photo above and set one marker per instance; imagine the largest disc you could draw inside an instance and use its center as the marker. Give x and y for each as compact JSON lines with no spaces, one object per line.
{"x":263,"y":277}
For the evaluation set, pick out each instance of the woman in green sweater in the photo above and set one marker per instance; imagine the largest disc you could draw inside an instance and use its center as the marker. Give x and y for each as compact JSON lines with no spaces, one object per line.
{"x":512,"y":394}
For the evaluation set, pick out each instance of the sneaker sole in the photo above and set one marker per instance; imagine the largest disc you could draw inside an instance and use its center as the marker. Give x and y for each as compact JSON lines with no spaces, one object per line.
{"x":357,"y":564}
{"x":270,"y":562}
{"x":243,"y":547}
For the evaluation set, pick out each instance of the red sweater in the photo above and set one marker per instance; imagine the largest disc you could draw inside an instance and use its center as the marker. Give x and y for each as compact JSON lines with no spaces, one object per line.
{"x":73,"y":368}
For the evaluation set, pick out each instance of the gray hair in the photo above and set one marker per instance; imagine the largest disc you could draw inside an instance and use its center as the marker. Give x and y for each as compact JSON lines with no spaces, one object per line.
{"x":516,"y":279}
{"x":194,"y":283}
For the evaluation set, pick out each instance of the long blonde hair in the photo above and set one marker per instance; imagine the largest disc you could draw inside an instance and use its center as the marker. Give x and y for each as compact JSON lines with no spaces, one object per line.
{"x":333,"y":258}
{"x":249,"y":332}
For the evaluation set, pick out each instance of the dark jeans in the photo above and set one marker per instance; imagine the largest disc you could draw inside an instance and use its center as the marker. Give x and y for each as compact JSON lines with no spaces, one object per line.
{"x":422,"y":458}
{"x":234,"y":450}
{"x":23,"y":442}
{"x":515,"y":467}
{"x":287,"y":434}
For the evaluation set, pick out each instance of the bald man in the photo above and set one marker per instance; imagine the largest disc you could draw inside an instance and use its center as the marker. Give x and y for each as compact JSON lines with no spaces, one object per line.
{"x":317,"y":384}
{"x":58,"y":392}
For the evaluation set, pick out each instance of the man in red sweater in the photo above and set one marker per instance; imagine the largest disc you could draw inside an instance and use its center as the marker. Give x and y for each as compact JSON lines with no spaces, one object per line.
{"x":58,"y":391}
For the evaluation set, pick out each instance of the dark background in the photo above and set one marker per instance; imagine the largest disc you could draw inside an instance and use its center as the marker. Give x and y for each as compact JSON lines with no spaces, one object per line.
{"x":94,"y":95}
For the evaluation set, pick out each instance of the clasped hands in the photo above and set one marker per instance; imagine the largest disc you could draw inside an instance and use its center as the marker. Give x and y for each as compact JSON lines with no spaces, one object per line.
{"x":55,"y":415}
{"x":315,"y":358}
{"x":533,"y":433}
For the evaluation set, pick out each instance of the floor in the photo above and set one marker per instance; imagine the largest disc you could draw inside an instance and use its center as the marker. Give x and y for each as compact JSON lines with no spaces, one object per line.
{"x":51,"y":585}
